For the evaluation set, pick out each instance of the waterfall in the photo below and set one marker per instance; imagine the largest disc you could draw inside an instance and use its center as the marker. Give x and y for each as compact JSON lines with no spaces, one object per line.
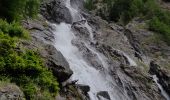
{"x":98,"y":80}
{"x":163,"y":92}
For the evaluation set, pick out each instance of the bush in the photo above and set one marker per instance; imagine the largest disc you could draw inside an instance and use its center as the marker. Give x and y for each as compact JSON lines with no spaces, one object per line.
{"x":89,"y":4}
{"x":26,"y":69}
{"x":161,"y":27}
{"x":13,"y":29}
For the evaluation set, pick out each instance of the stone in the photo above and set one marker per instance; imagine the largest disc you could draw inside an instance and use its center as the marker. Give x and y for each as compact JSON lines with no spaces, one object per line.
{"x":84,"y":88}
{"x":58,"y":64}
{"x":103,"y":94}
{"x":55,"y":11}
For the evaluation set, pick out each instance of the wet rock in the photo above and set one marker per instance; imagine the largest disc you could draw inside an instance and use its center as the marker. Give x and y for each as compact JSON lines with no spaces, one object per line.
{"x":55,"y":11}
{"x":42,"y":39}
{"x":103,"y":94}
{"x":10,"y":92}
{"x":134,"y":43}
{"x":81,"y":30}
{"x":84,"y":88}
{"x":58,"y":64}
{"x":90,"y":56}
{"x":163,"y":76}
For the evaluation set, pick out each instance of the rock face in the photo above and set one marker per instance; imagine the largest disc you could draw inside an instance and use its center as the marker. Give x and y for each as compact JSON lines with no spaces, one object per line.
{"x":55,"y":11}
{"x":58,"y":64}
{"x":164,"y":77}
{"x":42,"y":39}
{"x":10,"y":92}
{"x":139,"y":45}
{"x":84,"y":88}
{"x":103,"y":94}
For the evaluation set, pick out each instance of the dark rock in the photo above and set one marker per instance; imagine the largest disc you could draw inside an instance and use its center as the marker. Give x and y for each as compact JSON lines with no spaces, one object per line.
{"x":134,"y":43}
{"x":163,"y":76}
{"x":58,"y":64}
{"x":103,"y":94}
{"x":55,"y":11}
{"x":84,"y":88}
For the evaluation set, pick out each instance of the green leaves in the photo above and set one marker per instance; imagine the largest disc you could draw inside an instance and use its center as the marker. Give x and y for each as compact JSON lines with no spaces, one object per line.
{"x":13,"y":29}
{"x":24,"y":67}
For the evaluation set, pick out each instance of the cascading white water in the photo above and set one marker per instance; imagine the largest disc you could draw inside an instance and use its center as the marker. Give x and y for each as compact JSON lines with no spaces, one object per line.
{"x":161,"y":88}
{"x":84,"y":72}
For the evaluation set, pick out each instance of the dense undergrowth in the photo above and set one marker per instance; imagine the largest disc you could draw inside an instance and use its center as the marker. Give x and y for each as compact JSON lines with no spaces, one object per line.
{"x":19,"y":65}
{"x":123,"y":11}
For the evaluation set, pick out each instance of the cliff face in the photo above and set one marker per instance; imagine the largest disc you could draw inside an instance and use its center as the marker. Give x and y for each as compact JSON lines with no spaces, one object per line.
{"x":132,"y":53}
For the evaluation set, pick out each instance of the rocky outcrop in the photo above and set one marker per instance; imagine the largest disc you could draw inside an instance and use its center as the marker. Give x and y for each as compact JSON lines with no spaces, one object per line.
{"x":121,"y":47}
{"x":57,"y":63}
{"x":103,"y":95}
{"x":163,"y":76}
{"x":42,"y":39}
{"x":85,"y":88}
{"x":134,"y":82}
{"x":10,"y":92}
{"x":55,"y":11}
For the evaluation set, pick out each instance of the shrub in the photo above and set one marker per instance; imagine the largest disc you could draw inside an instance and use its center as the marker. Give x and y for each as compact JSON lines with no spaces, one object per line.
{"x":13,"y":29}
{"x":25,"y":68}
{"x":89,"y":4}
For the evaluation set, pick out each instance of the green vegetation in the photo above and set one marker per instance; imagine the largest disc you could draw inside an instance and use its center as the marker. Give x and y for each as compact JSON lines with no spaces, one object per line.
{"x":13,"y":29}
{"x":89,"y":4}
{"x":26,"y":69}
{"x":18,"y":9}
{"x":123,"y":11}
{"x":18,"y":65}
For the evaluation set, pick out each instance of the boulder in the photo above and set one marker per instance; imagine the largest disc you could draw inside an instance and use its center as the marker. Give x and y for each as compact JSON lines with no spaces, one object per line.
{"x":58,"y":64}
{"x":84,"y":88}
{"x":42,"y":39}
{"x":103,"y":95}
{"x":55,"y":11}
{"x":163,"y":76}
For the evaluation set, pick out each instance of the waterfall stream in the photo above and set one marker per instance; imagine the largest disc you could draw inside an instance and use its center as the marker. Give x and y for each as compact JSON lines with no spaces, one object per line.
{"x":161,"y":88}
{"x":98,"y":80}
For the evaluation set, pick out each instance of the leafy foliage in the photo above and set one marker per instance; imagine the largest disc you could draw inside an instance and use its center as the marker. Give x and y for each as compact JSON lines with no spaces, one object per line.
{"x":13,"y":29}
{"x":24,"y":67}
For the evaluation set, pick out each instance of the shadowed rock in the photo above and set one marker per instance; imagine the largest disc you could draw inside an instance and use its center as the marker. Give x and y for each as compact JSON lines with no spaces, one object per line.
{"x":103,"y":94}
